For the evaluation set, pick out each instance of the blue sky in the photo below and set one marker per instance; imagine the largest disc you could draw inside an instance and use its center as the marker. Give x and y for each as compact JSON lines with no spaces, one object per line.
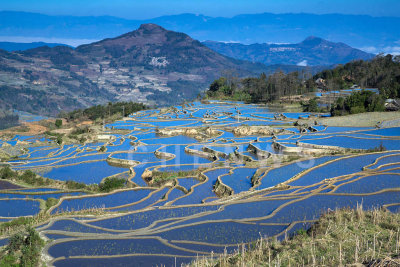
{"x":142,"y":9}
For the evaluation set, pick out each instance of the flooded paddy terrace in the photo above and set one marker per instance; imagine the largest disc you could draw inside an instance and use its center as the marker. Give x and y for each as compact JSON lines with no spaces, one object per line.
{"x":237,"y":172}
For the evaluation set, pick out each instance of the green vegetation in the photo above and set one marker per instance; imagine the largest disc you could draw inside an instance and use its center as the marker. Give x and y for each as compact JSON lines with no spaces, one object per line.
{"x":7,"y":173}
{"x":26,"y":177}
{"x":358,"y":102}
{"x":221,"y":90}
{"x":311,"y":106}
{"x":57,"y":137}
{"x":339,"y":238}
{"x":261,"y":89}
{"x":161,"y":177}
{"x":50,"y":202}
{"x":16,"y":224}
{"x":379,"y":148}
{"x":32,"y":179}
{"x":111,"y":183}
{"x":106,"y":111}
{"x":23,"y":249}
{"x":80,"y":134}
{"x":58,"y":123}
{"x":382,"y":72}
{"x":75,"y":185}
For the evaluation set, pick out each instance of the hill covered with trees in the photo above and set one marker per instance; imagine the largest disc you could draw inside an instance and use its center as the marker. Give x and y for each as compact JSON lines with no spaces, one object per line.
{"x":104,"y":111}
{"x":382,"y":72}
{"x":358,"y":102}
{"x":261,"y":89}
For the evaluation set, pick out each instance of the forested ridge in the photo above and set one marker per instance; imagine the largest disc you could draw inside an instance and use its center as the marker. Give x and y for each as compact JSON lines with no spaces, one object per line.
{"x":382,"y":72}
{"x":104,"y":111}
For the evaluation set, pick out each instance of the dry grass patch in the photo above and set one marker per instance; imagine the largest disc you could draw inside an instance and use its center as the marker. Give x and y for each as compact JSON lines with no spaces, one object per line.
{"x":339,"y":238}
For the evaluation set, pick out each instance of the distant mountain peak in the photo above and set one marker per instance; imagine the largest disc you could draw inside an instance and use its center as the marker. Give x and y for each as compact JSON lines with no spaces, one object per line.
{"x":312,"y":38}
{"x":151,"y":28}
{"x":313,"y":41}
{"x":148,"y":33}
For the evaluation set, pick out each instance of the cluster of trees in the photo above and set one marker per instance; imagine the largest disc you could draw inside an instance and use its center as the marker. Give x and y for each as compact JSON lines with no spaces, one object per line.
{"x":311,"y":106}
{"x":263,"y":88}
{"x":107,"y":185}
{"x":111,"y":183}
{"x":382,"y":72}
{"x":105,"y":111}
{"x":27,"y":177}
{"x":23,"y":249}
{"x":358,"y":102}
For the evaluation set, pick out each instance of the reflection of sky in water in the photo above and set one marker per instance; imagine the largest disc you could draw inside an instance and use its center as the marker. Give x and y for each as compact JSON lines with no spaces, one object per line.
{"x":219,"y":116}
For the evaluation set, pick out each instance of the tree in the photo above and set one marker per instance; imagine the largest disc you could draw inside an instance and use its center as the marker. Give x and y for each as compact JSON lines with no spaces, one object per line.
{"x":217,"y":84}
{"x":311,"y":106}
{"x":58,"y":123}
{"x":59,"y":139}
{"x":358,"y":102}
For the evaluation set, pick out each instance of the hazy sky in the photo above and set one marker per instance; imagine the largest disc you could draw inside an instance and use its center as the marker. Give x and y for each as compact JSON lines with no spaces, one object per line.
{"x":141,"y":9}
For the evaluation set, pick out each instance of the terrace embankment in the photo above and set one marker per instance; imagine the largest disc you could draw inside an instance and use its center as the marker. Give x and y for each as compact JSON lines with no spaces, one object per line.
{"x":257,"y":130}
{"x":344,"y":237}
{"x":261,"y":154}
{"x":121,"y":162}
{"x":311,"y":148}
{"x":314,"y":150}
{"x":168,"y":178}
{"x":199,"y":153}
{"x":164,"y":155}
{"x":197,"y":133}
{"x":221,"y":189}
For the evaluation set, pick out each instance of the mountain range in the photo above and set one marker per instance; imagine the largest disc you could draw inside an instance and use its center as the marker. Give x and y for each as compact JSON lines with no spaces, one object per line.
{"x":313,"y":51}
{"x":151,"y":65}
{"x":373,"y":34}
{"x":13,"y":46}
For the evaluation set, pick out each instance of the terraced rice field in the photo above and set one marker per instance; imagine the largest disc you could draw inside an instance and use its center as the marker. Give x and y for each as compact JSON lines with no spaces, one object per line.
{"x":249,"y":184}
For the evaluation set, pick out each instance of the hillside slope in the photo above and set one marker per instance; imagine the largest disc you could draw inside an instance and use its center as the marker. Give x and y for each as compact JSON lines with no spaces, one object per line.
{"x":148,"y":65}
